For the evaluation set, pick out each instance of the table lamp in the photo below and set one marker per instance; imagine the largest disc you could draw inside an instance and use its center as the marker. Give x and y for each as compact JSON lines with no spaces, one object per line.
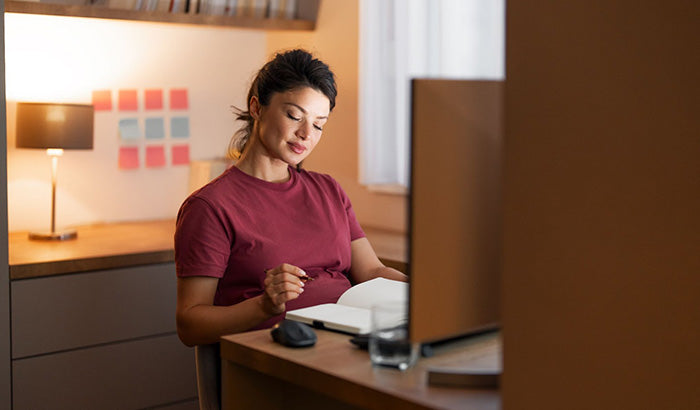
{"x":54,"y":127}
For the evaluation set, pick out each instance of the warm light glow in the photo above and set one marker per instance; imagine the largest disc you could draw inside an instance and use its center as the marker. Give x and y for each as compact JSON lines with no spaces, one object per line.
{"x":56,"y":114}
{"x":54,"y":59}
{"x":54,"y":152}
{"x":60,"y":59}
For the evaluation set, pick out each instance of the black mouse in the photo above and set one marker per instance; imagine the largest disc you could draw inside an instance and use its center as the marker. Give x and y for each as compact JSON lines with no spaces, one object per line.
{"x":293,"y":334}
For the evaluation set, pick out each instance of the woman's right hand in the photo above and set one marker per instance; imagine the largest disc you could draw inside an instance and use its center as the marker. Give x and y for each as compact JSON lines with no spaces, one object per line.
{"x":282,"y":284}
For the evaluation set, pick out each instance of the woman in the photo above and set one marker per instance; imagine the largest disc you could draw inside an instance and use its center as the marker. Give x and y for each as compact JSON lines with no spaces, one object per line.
{"x":267,"y":236}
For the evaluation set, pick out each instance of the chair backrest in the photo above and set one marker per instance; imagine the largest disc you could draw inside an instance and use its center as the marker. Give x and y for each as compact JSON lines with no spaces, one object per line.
{"x":208,"y":362}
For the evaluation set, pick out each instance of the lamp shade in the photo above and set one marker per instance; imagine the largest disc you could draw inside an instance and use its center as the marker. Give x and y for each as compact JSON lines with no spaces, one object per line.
{"x":45,"y":125}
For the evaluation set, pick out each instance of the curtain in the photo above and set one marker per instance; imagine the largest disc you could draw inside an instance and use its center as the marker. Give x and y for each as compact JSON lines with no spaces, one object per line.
{"x":405,"y":39}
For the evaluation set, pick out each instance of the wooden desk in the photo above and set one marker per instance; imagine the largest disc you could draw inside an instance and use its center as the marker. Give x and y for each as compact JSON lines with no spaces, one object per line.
{"x":125,"y":244}
{"x":258,"y":373}
{"x":98,"y":247}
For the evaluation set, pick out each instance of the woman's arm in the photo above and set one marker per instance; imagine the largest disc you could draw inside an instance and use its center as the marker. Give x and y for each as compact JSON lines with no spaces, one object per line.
{"x":366,"y":265}
{"x":200,"y":322}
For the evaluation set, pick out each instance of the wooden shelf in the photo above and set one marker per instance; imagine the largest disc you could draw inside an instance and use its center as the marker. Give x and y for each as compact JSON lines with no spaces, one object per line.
{"x":119,"y":245}
{"x":29,"y":7}
{"x":98,"y":247}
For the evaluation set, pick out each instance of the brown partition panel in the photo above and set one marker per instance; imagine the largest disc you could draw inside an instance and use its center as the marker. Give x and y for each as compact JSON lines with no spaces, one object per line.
{"x":455,"y":207}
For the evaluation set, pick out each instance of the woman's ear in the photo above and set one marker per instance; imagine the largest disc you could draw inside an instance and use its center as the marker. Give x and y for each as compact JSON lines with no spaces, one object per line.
{"x":255,"y":107}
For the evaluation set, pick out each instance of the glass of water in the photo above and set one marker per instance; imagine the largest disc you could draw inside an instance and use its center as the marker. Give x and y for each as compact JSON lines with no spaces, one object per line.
{"x":388,"y":341}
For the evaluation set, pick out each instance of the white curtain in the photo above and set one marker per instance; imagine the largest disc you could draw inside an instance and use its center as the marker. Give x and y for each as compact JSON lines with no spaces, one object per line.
{"x":404,"y":39}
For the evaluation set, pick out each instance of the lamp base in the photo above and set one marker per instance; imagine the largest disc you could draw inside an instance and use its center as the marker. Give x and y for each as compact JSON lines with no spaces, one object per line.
{"x":53,"y":236}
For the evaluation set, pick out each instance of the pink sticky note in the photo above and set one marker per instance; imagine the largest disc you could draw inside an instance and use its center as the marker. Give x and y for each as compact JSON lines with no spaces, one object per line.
{"x":155,"y":156}
{"x":178,"y":99}
{"x":154,"y":99}
{"x":128,"y":157}
{"x":128,"y":100}
{"x":102,"y":100}
{"x":181,"y":154}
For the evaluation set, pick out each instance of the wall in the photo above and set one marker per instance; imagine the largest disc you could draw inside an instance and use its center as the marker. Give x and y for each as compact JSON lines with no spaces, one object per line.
{"x":336,"y":42}
{"x":63,"y":59}
{"x":5,"y":337}
{"x":53,"y":58}
{"x":602,"y":224}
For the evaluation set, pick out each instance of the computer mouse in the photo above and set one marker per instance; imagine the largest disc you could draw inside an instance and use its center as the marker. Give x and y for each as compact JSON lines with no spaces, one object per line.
{"x":293,"y":334}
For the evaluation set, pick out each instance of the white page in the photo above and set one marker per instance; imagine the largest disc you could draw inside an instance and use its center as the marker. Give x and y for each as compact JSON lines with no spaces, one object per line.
{"x":352,"y":311}
{"x":365,"y":294}
{"x":346,"y":318}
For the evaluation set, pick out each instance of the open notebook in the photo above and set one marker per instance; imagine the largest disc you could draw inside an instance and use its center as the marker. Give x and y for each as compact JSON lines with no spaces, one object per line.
{"x":351,"y":313}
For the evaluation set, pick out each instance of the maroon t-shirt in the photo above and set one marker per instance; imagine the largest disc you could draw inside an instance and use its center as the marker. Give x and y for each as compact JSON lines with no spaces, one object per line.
{"x":237,"y":226}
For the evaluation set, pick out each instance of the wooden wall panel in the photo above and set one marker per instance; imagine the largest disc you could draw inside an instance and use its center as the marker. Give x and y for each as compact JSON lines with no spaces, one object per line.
{"x":602,"y":205}
{"x":5,"y":370}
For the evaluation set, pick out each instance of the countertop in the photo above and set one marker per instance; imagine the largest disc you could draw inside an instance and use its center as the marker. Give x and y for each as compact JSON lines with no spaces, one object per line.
{"x":100,"y":246}
{"x":117,"y":245}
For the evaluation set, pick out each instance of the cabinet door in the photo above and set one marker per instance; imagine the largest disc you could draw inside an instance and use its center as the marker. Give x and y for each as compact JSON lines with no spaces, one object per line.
{"x":131,"y":375}
{"x":52,"y":314}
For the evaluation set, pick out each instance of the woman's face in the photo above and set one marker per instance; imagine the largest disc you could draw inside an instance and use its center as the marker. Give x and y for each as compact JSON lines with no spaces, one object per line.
{"x":290,"y":126}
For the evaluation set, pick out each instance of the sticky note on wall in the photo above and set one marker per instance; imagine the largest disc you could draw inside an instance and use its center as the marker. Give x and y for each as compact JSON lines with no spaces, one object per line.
{"x":128,"y":100}
{"x":102,"y":100}
{"x":178,"y":99}
{"x":128,"y":157}
{"x":154,"y":99}
{"x":155,"y":156}
{"x":181,"y":154}
{"x":129,"y":129}
{"x":155,"y":128}
{"x":180,"y":127}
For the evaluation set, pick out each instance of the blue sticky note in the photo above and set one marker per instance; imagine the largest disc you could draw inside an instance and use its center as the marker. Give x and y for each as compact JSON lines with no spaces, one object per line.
{"x":155,"y":128}
{"x":180,"y":127}
{"x":129,"y":129}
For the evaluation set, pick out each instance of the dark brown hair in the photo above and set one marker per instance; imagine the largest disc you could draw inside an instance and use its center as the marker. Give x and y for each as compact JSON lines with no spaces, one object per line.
{"x":288,"y":70}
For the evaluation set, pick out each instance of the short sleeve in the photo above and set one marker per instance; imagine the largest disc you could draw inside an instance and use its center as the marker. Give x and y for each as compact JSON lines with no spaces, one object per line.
{"x":202,"y":240}
{"x":356,"y":231}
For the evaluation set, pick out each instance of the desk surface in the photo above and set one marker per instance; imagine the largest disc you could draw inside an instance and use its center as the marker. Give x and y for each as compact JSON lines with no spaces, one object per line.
{"x":118,"y":245}
{"x":336,"y":367}
{"x":99,"y":246}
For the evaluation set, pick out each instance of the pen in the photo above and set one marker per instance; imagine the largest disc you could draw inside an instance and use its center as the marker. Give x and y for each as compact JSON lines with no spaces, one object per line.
{"x":305,"y":278}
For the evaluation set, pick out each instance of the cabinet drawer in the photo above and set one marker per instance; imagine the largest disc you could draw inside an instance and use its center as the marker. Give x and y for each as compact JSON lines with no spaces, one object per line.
{"x":51,"y":314}
{"x":129,"y":375}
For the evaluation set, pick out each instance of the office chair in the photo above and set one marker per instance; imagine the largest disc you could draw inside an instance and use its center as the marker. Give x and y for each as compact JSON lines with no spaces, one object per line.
{"x":208,"y":363}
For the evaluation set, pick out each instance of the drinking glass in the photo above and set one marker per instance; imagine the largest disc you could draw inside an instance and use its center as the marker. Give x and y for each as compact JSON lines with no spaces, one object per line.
{"x":389,"y":345}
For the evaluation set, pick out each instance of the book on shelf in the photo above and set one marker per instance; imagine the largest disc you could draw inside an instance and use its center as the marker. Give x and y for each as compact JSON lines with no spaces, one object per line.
{"x":242,"y":8}
{"x":251,"y":8}
{"x":121,"y":4}
{"x":274,"y":9}
{"x":289,"y":9}
{"x":191,"y":6}
{"x":219,"y":7}
{"x":352,"y":312}
{"x":259,"y":8}
{"x":65,"y":2}
{"x":154,"y":5}
{"x":231,"y":6}
{"x":282,"y":9}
